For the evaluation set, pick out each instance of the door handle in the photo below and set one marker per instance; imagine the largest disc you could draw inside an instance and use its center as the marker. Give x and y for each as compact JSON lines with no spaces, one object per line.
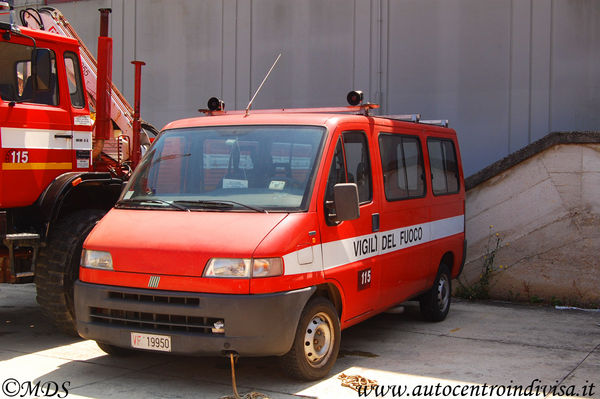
{"x":375,"y":222}
{"x":63,"y":136}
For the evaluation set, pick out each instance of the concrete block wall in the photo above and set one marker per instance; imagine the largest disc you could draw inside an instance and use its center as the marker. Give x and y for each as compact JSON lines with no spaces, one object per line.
{"x":546,"y":210}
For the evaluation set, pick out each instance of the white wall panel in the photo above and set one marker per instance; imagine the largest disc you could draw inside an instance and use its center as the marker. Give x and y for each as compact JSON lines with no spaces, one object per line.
{"x":541,"y":55}
{"x":181,"y":43}
{"x":519,"y":74}
{"x":316,"y":41}
{"x":575,"y":66}
{"x":504,"y":72}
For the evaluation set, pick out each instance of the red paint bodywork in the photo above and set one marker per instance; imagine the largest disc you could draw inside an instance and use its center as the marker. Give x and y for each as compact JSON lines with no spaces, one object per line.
{"x":176,"y":245}
{"x":22,"y":187}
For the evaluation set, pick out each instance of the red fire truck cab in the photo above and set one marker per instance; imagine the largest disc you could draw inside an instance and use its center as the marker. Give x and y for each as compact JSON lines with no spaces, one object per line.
{"x":269,"y":233}
{"x":60,"y":171}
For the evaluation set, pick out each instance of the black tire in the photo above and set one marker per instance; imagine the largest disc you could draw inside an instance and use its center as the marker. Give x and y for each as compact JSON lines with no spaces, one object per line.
{"x":57,"y":267}
{"x":435,"y":303}
{"x":114,"y":350}
{"x":319,"y":332}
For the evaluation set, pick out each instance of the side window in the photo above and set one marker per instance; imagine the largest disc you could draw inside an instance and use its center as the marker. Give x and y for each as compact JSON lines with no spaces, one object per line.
{"x":74,"y":80}
{"x":48,"y":95}
{"x":444,"y":168}
{"x":23,"y":72}
{"x":337,"y":172}
{"x":402,"y":166}
{"x":358,"y":165}
{"x":15,"y":76}
{"x":351,"y":164}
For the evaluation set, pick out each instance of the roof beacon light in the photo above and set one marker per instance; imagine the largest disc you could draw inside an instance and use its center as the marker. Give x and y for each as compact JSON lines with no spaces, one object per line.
{"x":355,"y":97}
{"x":215,"y":104}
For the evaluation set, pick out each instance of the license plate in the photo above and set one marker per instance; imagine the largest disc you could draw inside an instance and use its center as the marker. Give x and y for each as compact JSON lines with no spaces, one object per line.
{"x":151,"y":341}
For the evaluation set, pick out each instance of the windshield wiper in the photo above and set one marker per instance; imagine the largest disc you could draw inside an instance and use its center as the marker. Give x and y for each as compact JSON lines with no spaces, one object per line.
{"x":154,"y":201}
{"x":220,"y":204}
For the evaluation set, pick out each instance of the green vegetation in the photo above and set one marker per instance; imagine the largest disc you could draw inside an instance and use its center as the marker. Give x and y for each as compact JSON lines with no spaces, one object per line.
{"x":481,"y":288}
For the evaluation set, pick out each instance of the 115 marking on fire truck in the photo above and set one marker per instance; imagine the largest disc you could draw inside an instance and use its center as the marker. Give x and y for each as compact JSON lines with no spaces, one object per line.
{"x":16,"y":156}
{"x":364,"y":279}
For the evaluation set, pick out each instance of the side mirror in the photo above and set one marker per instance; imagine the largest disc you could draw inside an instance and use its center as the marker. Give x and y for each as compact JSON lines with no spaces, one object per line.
{"x":41,"y":70}
{"x":345,"y":196}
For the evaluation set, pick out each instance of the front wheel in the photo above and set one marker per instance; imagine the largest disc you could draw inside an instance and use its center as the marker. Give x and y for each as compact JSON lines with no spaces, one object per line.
{"x":57,"y":267}
{"x":435,"y":303}
{"x":317,"y":342}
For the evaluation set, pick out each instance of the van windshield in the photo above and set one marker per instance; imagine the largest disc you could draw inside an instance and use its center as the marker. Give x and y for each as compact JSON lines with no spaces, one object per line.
{"x":240,"y":168}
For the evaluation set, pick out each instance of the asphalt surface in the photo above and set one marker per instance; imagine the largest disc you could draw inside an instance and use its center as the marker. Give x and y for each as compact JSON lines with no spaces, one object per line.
{"x":478,"y":346}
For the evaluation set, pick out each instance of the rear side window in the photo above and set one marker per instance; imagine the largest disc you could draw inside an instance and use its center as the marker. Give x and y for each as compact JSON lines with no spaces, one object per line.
{"x":444,"y":168}
{"x":402,"y":166}
{"x":74,"y":80}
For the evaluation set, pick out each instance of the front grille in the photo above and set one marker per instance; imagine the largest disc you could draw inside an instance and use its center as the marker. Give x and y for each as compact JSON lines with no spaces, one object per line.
{"x":156,"y":321}
{"x":142,"y":298}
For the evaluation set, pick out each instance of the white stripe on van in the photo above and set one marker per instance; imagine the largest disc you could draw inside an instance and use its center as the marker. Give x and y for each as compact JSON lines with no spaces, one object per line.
{"x":341,"y":252}
{"x":45,"y":139}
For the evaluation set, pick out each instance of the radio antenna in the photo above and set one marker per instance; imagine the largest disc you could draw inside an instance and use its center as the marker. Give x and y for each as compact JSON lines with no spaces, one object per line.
{"x":261,"y":85}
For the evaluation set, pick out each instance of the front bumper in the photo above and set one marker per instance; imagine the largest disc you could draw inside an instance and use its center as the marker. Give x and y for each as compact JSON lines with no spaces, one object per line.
{"x":255,"y":325}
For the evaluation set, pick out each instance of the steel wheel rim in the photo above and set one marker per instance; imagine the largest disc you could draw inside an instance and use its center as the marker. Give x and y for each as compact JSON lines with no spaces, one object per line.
{"x":443,"y":293}
{"x":318,"y":340}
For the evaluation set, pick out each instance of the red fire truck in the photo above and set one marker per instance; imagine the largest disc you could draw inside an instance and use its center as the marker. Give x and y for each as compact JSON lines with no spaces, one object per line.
{"x":60,"y":170}
{"x":268,"y":232}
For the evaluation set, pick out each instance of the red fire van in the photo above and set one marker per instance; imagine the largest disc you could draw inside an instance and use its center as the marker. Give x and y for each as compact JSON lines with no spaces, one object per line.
{"x":268,"y":233}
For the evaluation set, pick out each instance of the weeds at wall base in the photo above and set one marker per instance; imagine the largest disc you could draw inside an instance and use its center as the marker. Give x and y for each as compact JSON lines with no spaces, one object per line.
{"x":480,"y":289}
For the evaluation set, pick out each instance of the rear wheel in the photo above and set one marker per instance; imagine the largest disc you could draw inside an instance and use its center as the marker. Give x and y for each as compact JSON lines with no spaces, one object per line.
{"x":317,"y":342}
{"x":57,"y":267}
{"x":435,"y":303}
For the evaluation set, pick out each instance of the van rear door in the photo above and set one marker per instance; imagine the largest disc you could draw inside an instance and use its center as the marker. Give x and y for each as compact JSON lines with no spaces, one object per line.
{"x":405,"y":215}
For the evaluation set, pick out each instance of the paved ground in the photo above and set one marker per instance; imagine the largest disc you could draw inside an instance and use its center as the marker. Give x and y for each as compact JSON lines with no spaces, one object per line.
{"x":487,"y":343}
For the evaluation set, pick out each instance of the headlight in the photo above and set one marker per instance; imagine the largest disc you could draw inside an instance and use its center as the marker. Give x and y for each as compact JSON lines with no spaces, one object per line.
{"x":96,"y":259}
{"x":243,"y":268}
{"x":227,"y":267}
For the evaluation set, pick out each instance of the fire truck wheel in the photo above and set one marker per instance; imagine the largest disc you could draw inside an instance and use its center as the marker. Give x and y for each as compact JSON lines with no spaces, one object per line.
{"x":57,"y":266}
{"x":114,"y":350}
{"x":435,"y":303}
{"x":317,"y":342}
